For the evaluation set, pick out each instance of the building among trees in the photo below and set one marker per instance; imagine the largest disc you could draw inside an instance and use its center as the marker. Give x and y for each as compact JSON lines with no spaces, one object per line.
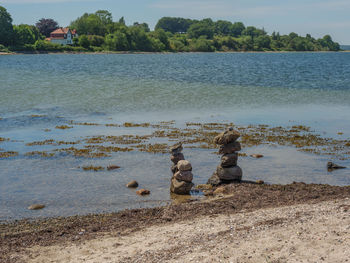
{"x":63,"y":36}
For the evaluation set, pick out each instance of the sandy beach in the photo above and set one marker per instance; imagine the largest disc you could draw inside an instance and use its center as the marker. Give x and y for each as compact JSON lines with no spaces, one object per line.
{"x":239,"y":223}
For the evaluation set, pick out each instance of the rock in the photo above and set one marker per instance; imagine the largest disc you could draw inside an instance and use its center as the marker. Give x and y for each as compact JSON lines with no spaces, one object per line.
{"x":229,"y":160}
{"x":36,"y":207}
{"x":204,"y":186}
{"x":230,"y":148}
{"x":186,"y":176}
{"x":229,"y":173}
{"x":257,"y":155}
{"x":214,"y":180}
{"x":175,"y":158}
{"x":208,"y":192}
{"x":112,"y":167}
{"x":332,"y":166}
{"x":143,"y":192}
{"x":184,"y":165}
{"x":226,"y":137}
{"x":176,"y":148}
{"x":174,"y":169}
{"x":180,"y":187}
{"x":259,"y":182}
{"x":132,"y":184}
{"x":219,"y":190}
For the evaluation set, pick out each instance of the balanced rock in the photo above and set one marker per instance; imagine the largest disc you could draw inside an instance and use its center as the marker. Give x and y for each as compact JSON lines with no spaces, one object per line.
{"x":186,"y":176}
{"x":184,"y":165}
{"x":174,"y":169}
{"x":214,"y":180}
{"x":230,"y":148}
{"x":180,"y":187}
{"x":175,"y":158}
{"x":229,"y":160}
{"x":226,"y":137}
{"x":176,"y":148}
{"x":229,"y":173}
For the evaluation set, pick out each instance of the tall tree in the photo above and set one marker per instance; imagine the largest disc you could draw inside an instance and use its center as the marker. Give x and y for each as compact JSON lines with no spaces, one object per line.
{"x":25,"y":34}
{"x":6,"y":30}
{"x":46,"y":26}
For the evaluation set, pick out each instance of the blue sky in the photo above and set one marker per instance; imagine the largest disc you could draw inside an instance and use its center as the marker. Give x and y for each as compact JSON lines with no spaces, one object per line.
{"x":318,"y":17}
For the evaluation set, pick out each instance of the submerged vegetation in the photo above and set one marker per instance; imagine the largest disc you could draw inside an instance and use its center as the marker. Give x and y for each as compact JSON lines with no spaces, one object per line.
{"x":98,"y":32}
{"x":192,"y":135}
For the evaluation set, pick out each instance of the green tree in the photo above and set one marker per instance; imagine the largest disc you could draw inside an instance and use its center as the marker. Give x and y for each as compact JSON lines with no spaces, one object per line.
{"x":174,"y":24}
{"x":25,"y":34}
{"x":237,"y":29}
{"x":6,"y":29}
{"x":84,"y":41}
{"x":203,"y":28}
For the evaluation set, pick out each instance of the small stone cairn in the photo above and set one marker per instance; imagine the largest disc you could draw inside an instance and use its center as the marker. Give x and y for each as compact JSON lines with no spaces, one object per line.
{"x":181,"y":182}
{"x":228,"y":171}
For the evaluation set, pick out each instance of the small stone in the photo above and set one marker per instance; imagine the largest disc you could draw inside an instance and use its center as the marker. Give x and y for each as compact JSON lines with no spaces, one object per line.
{"x":219,"y":190}
{"x":184,"y":165}
{"x":214,"y":180}
{"x":36,"y":207}
{"x":132,"y":184}
{"x":112,"y":167}
{"x":175,"y":158}
{"x":204,"y":186}
{"x":174,"y":169}
{"x":226,"y":137}
{"x":180,"y":187}
{"x":186,"y":176}
{"x":208,"y":192}
{"x":257,"y":155}
{"x":259,"y":182}
{"x":230,"y":148}
{"x":229,"y":173}
{"x":143,"y":192}
{"x":332,"y":166}
{"x":176,"y":148}
{"x":229,"y":160}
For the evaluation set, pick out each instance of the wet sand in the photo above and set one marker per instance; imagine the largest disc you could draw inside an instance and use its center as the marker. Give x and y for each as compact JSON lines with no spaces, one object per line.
{"x":241,"y":223}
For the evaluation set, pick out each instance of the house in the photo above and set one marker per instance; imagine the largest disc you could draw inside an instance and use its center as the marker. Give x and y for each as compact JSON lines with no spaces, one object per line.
{"x":63,"y":36}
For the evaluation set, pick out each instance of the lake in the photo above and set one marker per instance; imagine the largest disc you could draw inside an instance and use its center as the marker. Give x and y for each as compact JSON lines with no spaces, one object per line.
{"x":52,"y":105}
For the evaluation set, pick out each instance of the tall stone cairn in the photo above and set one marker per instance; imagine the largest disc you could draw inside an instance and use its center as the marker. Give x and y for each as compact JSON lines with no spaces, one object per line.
{"x":228,"y":171}
{"x":181,"y":182}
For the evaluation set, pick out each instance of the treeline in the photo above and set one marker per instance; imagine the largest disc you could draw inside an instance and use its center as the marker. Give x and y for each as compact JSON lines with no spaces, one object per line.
{"x":98,"y":32}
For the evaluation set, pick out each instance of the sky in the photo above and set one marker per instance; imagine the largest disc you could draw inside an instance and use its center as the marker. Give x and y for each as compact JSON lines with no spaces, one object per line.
{"x":317,"y":17}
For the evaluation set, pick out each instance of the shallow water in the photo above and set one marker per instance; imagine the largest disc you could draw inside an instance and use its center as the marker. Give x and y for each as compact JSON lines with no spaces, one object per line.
{"x":285,"y":89}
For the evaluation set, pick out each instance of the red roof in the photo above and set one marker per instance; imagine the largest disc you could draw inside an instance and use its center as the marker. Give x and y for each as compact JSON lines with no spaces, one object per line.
{"x":61,"y":33}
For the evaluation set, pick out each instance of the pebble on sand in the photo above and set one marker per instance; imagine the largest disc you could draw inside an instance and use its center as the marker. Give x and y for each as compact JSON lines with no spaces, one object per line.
{"x":36,"y":207}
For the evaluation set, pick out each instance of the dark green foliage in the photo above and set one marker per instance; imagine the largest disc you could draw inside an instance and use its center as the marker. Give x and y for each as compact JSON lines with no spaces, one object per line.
{"x":6,"y":30}
{"x":174,"y":24}
{"x":25,"y":34}
{"x":46,"y":26}
{"x":84,"y":41}
{"x":98,"y":32}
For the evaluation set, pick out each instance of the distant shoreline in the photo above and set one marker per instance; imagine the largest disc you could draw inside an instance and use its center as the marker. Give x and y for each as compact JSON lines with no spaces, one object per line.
{"x":143,"y":52}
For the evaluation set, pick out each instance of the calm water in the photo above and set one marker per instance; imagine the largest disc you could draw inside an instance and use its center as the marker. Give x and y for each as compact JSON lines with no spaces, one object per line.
{"x":276,"y":89}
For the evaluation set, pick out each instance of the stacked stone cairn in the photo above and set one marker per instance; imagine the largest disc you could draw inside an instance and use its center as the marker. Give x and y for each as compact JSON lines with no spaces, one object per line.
{"x":181,"y":182}
{"x":228,"y":171}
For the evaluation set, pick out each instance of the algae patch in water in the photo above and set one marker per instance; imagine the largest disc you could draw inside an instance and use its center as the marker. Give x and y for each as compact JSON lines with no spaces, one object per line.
{"x":8,"y":154}
{"x":93,"y":168}
{"x":64,"y":127}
